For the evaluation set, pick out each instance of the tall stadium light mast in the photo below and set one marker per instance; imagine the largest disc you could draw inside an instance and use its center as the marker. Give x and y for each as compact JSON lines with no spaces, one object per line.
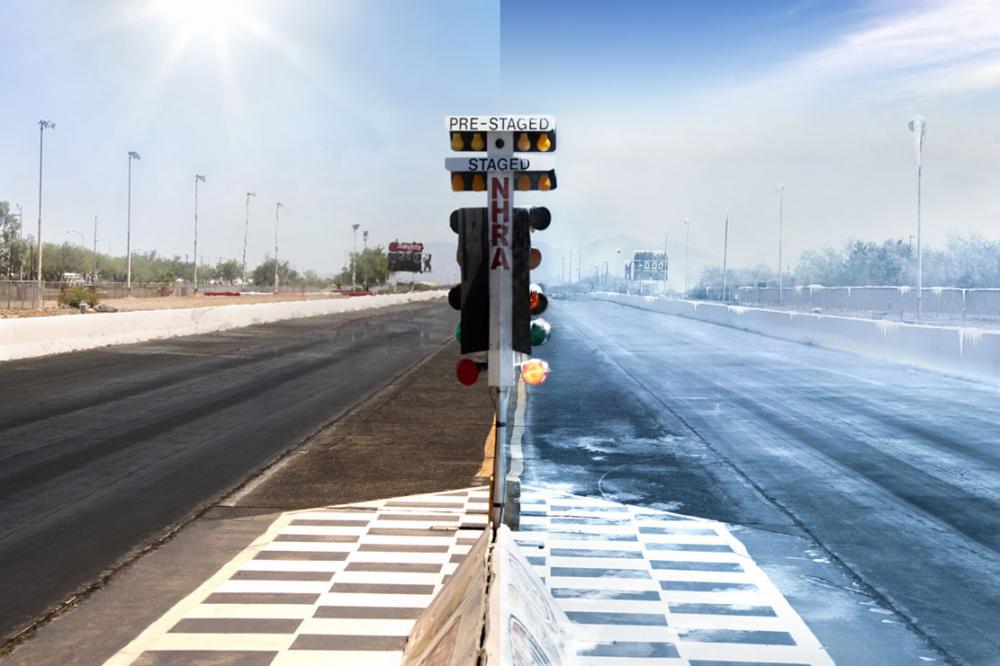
{"x":197,"y":178}
{"x":354,"y":256}
{"x":687,"y":238}
{"x":780,"y":189}
{"x":42,"y":126}
{"x":132,"y":155}
{"x":278,"y":206}
{"x":725,"y":257}
{"x":918,"y":125}
{"x":246,"y":230}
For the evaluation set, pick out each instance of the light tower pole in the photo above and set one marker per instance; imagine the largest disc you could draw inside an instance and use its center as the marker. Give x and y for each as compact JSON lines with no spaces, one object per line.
{"x":780,"y":189}
{"x":278,"y":206}
{"x":132,"y":155}
{"x":93,"y":269}
{"x":725,"y":257}
{"x":246,"y":229}
{"x":354,"y":257}
{"x":197,"y":178}
{"x":687,"y":238}
{"x":42,"y":126}
{"x":918,"y":125}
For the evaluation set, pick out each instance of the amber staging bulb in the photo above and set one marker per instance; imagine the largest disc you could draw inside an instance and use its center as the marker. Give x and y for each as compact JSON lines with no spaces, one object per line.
{"x":544,"y":143}
{"x":456,"y":141}
{"x":457,"y":182}
{"x":478,"y":183}
{"x":523,"y":182}
{"x":523,"y":142}
{"x":477,"y":142}
{"x":544,"y":183}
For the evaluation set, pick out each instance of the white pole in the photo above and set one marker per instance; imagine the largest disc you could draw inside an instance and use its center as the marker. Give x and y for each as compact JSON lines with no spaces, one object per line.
{"x":687,"y":238}
{"x":725,"y":256}
{"x":246,"y":230}
{"x":918,"y":125}
{"x":196,"y":179}
{"x":781,"y":200}
{"x":277,"y":207}
{"x":354,"y":257}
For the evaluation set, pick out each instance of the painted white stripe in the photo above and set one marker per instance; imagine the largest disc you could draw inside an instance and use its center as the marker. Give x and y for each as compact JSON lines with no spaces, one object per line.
{"x":738,"y":622}
{"x":613,"y":606}
{"x":310,"y":546}
{"x":622,"y":661}
{"x":706,"y":576}
{"x":603,"y":583}
{"x":287,"y":586}
{"x":409,"y":558}
{"x":778,"y":654}
{"x":328,"y":658}
{"x":222,"y":642}
{"x":252,"y":611}
{"x":620,"y":632}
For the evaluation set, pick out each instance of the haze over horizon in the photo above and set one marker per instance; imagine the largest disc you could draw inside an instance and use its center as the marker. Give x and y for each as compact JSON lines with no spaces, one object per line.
{"x":665,"y":112}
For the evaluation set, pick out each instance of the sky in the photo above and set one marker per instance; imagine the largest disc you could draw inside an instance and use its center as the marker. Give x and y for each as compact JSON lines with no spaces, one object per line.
{"x":665,"y":111}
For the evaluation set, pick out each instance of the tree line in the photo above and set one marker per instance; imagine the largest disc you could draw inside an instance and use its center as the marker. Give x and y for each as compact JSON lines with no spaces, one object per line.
{"x":969,"y":262}
{"x":17,"y":261}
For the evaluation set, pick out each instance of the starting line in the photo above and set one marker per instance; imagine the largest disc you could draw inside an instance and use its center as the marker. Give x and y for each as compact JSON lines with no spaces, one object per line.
{"x":346,"y":584}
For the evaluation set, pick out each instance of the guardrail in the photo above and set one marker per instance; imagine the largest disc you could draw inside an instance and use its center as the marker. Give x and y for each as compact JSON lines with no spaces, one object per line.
{"x":950,"y":303}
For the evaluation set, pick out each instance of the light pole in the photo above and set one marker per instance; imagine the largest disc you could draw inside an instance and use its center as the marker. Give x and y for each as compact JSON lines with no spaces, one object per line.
{"x":364,"y":267}
{"x":197,"y":178}
{"x":918,"y":125}
{"x":42,"y":126}
{"x":354,"y":257}
{"x":246,"y":229}
{"x":780,"y":189}
{"x":132,"y":155}
{"x":93,"y":269}
{"x":687,"y":238}
{"x":278,"y":206}
{"x":621,"y":269}
{"x":725,"y":257}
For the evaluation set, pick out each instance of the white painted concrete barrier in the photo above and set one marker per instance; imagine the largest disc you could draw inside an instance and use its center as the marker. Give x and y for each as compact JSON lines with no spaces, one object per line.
{"x":960,"y":350}
{"x":40,"y":336}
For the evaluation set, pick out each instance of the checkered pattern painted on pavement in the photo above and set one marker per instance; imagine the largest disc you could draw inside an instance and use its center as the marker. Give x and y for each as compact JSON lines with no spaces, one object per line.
{"x":646,"y":587}
{"x":339,"y":585}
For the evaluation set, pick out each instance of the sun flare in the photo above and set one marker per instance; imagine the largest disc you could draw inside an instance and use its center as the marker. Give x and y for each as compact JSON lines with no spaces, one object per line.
{"x":214,"y":19}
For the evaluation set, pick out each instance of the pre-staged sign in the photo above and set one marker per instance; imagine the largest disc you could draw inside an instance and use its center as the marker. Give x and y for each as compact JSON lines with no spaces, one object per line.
{"x":405,"y":257}
{"x":500,"y":123}
{"x":649,"y":265}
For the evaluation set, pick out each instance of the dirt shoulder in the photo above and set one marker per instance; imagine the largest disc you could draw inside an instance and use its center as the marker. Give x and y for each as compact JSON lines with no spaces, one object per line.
{"x":52,"y":308}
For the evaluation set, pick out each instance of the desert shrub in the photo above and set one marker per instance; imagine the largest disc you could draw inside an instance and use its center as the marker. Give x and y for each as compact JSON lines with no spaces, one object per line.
{"x":76,"y":294}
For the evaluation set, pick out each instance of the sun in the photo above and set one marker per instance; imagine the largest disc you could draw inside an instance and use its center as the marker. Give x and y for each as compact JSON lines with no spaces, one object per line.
{"x":203,"y":18}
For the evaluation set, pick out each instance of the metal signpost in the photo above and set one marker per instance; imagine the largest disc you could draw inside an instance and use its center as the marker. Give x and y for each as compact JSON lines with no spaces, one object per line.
{"x":502,"y":135}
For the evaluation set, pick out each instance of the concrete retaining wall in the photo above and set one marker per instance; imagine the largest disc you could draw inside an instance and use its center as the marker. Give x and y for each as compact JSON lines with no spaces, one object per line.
{"x":40,"y":336}
{"x":972,"y":352}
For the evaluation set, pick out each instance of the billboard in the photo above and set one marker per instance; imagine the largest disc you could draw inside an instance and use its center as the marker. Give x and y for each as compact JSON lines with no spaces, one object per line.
{"x":405,"y":257}
{"x":647,"y":265}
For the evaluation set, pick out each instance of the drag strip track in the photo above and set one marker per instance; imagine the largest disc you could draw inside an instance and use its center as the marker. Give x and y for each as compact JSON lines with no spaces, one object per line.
{"x":101,"y":451}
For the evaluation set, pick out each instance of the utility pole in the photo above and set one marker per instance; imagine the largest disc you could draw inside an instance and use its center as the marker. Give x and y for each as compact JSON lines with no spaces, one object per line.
{"x":20,"y":230}
{"x":918,"y":125}
{"x":197,"y":178}
{"x":687,"y":238}
{"x":277,"y":207}
{"x":364,"y":266}
{"x":42,"y":125}
{"x":354,"y":257}
{"x":665,"y":236}
{"x":128,"y":234}
{"x":780,"y":189}
{"x":725,"y":256}
{"x":246,"y":230}
{"x":93,"y":268}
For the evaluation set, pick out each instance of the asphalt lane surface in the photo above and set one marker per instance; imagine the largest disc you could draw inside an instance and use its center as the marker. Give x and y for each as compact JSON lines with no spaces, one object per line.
{"x":101,"y":451}
{"x":892,"y":471}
